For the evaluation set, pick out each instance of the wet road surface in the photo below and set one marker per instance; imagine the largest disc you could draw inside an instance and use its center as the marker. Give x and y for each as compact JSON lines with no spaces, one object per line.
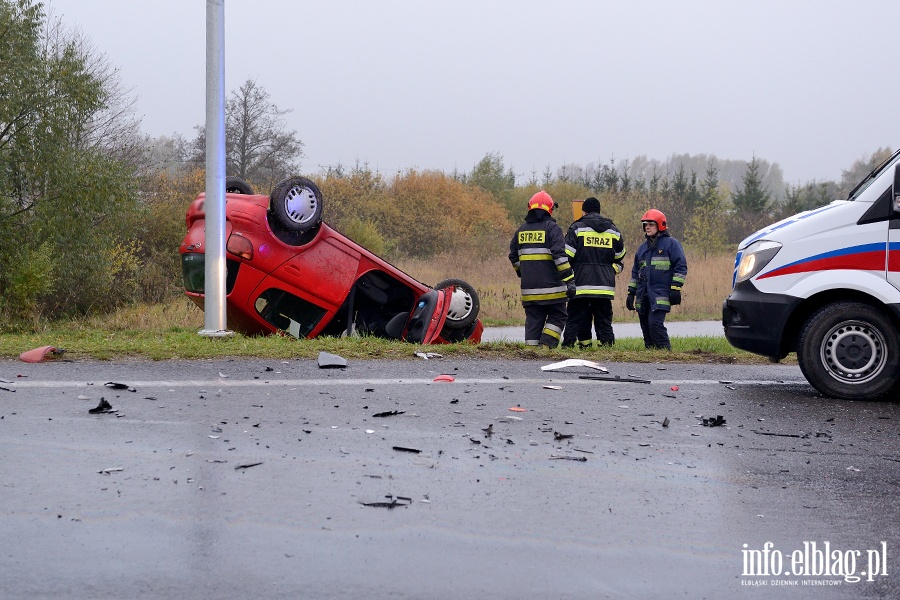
{"x":249,"y":478}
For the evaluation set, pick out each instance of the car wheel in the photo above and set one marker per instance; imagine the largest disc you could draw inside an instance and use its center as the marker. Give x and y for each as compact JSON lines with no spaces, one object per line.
{"x":464,"y":304}
{"x":296,"y":204}
{"x":850,"y":350}
{"x":236,"y":185}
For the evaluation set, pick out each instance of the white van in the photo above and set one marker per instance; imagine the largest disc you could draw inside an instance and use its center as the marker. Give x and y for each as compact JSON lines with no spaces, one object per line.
{"x":826,"y":284}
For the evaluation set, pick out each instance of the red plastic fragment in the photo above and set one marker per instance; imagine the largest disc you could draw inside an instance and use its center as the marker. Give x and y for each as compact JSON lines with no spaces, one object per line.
{"x":674,"y":388}
{"x":445,"y":378}
{"x":37,"y":354}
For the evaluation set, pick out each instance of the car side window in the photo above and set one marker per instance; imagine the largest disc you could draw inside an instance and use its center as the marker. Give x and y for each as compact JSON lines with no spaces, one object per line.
{"x":289,"y":313}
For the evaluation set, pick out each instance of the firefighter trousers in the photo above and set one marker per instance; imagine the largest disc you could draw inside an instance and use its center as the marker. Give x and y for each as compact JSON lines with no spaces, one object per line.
{"x":544,"y":324}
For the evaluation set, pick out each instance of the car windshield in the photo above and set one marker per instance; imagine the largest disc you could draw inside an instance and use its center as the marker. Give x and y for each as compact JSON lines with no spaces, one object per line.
{"x":867,"y":181}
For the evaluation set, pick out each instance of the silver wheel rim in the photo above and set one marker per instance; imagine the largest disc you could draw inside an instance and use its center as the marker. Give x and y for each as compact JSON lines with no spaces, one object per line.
{"x":854,"y":352}
{"x":300,"y":204}
{"x":460,"y":305}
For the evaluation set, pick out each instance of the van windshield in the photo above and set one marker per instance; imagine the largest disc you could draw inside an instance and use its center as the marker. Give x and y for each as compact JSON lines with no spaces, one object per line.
{"x":868,"y":179}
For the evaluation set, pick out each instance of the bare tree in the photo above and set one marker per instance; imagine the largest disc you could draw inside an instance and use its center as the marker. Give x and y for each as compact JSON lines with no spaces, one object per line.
{"x":258,"y":147}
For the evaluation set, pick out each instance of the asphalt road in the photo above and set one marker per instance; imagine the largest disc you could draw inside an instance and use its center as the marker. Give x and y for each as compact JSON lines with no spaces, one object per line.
{"x":260,"y":479}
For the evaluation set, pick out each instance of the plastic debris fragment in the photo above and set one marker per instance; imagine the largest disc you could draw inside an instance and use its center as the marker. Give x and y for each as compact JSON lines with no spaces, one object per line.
{"x":41,"y":354}
{"x":448,"y":378}
{"x":327,"y":360}
{"x":575,"y":362}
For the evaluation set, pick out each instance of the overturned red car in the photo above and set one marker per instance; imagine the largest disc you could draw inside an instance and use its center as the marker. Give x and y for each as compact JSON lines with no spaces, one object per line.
{"x":289,"y":272}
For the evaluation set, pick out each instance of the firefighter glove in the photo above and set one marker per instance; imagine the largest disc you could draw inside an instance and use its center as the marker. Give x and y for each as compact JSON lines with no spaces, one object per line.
{"x":629,"y":302}
{"x":675,"y":297}
{"x":570,"y":290}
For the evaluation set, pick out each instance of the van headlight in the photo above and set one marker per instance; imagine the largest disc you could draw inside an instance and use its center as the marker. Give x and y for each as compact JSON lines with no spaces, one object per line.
{"x":756,"y":256}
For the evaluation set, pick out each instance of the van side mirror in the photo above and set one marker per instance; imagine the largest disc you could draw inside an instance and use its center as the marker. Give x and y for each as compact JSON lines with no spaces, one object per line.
{"x":895,"y":191}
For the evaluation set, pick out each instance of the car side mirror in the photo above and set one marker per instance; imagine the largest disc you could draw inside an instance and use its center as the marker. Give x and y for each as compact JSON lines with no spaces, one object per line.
{"x":895,"y":191}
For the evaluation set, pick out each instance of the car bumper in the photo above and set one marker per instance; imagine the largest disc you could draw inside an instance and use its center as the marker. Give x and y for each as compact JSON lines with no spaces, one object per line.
{"x":755,"y":321}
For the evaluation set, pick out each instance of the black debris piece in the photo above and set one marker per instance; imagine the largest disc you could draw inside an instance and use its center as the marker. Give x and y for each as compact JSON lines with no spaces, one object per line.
{"x":561,"y":436}
{"x":389,"y":413}
{"x":7,"y":389}
{"x":615,"y":379}
{"x":575,"y":458}
{"x":103,"y":407}
{"x":269,"y":369}
{"x":119,"y":386}
{"x":713,"y":421}
{"x":474,"y":440}
{"x":665,"y":422}
{"x":510,"y":442}
{"x":489,"y":430}
{"x":247,"y":466}
{"x":331,"y":361}
{"x":403,"y":449}
{"x":391,"y":503}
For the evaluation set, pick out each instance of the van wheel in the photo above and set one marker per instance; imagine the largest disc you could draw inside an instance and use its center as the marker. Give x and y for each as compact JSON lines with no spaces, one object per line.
{"x":850,"y":350}
{"x":296,"y":204}
{"x":464,"y":303}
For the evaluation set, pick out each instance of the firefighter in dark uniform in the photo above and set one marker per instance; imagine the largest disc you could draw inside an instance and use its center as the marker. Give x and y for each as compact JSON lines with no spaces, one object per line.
{"x":538,"y":254}
{"x":656,"y":279}
{"x":596,"y":250}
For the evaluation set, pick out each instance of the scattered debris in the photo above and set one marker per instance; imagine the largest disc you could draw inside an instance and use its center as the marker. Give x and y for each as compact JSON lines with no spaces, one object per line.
{"x":665,"y":422}
{"x":111,"y":470}
{"x":562,"y":436}
{"x":489,"y":430}
{"x":575,"y":362}
{"x":552,"y":387}
{"x":389,"y":413}
{"x":853,"y":469}
{"x":792,"y":435}
{"x":713,"y":421}
{"x":615,"y":379}
{"x":428,"y":355}
{"x":41,"y":354}
{"x":518,"y":409}
{"x":6,"y":389}
{"x":448,"y":378}
{"x":575,"y":458}
{"x":247,"y":466}
{"x":103,"y":407}
{"x":403,"y":449}
{"x":674,"y":388}
{"x":393,"y":502}
{"x":327,"y":360}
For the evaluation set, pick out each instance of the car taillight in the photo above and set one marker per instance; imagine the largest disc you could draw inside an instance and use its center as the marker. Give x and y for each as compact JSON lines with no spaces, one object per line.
{"x":240,"y":246}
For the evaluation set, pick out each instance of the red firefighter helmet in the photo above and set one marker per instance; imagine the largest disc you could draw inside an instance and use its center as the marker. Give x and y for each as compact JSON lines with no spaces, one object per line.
{"x":657,"y":217}
{"x":543,"y":201}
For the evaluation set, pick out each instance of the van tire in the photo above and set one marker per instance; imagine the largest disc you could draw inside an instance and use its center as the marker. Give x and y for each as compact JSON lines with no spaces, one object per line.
{"x":464,"y":304}
{"x":850,"y":350}
{"x":296,"y":204}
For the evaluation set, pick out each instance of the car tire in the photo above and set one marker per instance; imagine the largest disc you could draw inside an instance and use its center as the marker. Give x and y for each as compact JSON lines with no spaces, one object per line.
{"x":296,"y":204}
{"x":850,"y":350}
{"x":236,"y":185}
{"x":464,"y":304}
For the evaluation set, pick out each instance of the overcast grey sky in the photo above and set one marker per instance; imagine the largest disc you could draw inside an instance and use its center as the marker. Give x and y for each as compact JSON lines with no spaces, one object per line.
{"x":432,"y":84}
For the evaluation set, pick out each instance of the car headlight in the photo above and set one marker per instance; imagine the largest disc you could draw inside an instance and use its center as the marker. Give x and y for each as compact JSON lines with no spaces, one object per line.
{"x":756,"y":256}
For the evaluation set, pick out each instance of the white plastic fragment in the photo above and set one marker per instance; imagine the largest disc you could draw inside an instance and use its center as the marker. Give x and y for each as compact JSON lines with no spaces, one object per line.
{"x":575,"y":362}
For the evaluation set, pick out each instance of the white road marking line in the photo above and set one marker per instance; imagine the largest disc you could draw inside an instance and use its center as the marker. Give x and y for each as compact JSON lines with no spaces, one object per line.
{"x":220,"y":383}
